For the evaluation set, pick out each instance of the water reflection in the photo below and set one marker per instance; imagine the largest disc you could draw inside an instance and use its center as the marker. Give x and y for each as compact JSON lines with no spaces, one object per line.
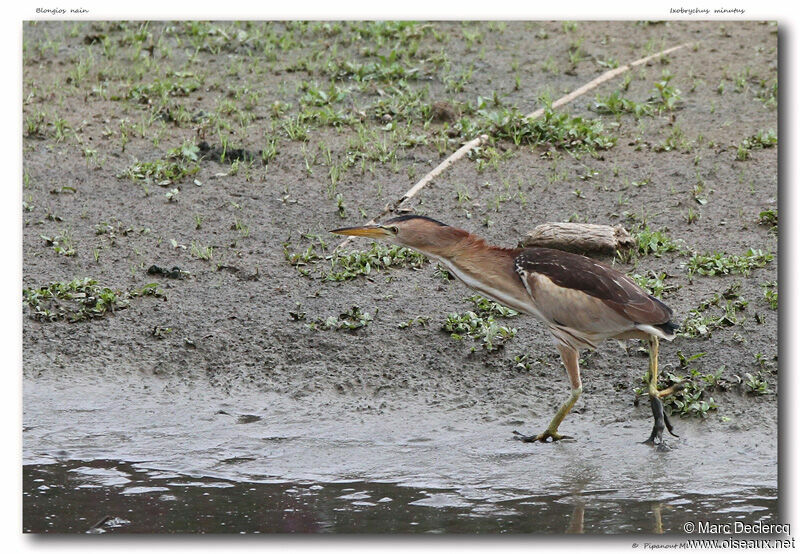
{"x":104,"y":496}
{"x":576,"y":521}
{"x":658,"y":528}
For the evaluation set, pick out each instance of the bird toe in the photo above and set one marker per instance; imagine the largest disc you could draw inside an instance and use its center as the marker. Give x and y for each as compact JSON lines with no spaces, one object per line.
{"x":542,"y":437}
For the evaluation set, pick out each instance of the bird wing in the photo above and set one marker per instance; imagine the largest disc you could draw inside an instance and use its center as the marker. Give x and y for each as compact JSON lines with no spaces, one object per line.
{"x":575,"y":291}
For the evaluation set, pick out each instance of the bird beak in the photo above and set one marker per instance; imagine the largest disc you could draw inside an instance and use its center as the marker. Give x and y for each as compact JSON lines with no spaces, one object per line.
{"x":373,"y":231}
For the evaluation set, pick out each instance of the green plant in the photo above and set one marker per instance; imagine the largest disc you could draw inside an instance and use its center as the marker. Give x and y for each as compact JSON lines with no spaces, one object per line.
{"x":694,"y":399}
{"x":188,"y":151}
{"x":654,"y":283}
{"x":62,"y":243}
{"x":699,"y":193}
{"x":350,"y":320}
{"x":771,"y":293}
{"x":522,"y":362}
{"x":384,"y":69}
{"x":487,"y":156}
{"x":203,"y":252}
{"x":456,"y":85}
{"x":34,"y":124}
{"x":770,"y":218}
{"x":419,"y":320}
{"x":349,"y":265}
{"x":656,"y":243}
{"x":762,"y":139}
{"x":296,"y":128}
{"x":111,"y":231}
{"x":340,"y":207}
{"x":241,"y":227}
{"x":80,"y":299}
{"x":60,"y":128}
{"x":160,"y":90}
{"x":702,"y":320}
{"x":768,"y":93}
{"x":269,"y":152}
{"x":756,"y":384}
{"x":443,"y":274}
{"x":486,"y":307}
{"x":181,"y":162}
{"x":676,"y":140}
{"x":724,"y":264}
{"x":63,"y":190}
{"x":668,"y":95}
{"x":684,"y":361}
{"x":569,"y":26}
{"x":355,"y":263}
{"x":614,"y":103}
{"x":160,"y":332}
{"x":301,"y":259}
{"x":556,"y":128}
{"x":609,"y":62}
{"x":666,"y":98}
{"x":150,"y":289}
{"x":479,"y":328}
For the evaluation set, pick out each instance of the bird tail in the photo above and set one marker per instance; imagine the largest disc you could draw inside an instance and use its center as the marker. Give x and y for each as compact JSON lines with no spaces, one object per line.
{"x":664,"y":331}
{"x":669,"y":329}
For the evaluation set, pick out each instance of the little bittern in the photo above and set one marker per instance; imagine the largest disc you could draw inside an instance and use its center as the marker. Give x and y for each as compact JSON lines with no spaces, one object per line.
{"x":583,"y":302}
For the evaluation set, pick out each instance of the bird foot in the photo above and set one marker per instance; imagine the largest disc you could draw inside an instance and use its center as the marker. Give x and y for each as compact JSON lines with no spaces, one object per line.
{"x":661,"y":422}
{"x":541,"y":437}
{"x":659,"y":446}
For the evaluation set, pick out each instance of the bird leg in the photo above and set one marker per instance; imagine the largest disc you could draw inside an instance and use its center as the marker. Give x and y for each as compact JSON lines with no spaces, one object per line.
{"x":653,"y":388}
{"x":570,"y":358}
{"x":659,"y":416}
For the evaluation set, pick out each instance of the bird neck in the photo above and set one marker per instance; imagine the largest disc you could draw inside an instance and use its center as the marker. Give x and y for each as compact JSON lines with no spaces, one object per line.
{"x":478,"y":255}
{"x":484,"y":268}
{"x":463,"y":249}
{"x":471,"y":258}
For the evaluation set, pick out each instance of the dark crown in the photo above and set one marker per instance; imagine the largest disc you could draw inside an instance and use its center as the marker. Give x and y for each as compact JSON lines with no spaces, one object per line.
{"x":414,"y":216}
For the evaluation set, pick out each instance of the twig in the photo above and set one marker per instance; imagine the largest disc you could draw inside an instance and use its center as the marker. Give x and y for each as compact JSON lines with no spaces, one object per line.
{"x":474,"y":143}
{"x":607,"y":76}
{"x":451,"y":159}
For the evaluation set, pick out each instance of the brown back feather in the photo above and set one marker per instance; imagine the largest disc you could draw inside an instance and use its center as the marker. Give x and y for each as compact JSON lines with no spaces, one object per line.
{"x":596,"y":279}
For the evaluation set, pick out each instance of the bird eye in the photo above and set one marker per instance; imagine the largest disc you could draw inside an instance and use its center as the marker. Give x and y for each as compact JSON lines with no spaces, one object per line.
{"x":394,"y":230}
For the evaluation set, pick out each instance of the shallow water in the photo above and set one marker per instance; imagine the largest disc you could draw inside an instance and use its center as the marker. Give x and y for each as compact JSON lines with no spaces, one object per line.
{"x":133,"y":459}
{"x":105,"y":496}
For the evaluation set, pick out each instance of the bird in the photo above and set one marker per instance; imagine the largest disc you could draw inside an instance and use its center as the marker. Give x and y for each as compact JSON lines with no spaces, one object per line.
{"x":581,"y":301}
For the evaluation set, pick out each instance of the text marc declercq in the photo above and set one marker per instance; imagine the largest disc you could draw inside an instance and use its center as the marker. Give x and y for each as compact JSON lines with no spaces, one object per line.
{"x":737,"y":527}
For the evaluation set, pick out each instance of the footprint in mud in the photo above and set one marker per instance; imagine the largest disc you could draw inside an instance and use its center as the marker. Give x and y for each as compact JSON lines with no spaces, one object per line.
{"x":242,"y":418}
{"x":238,"y":460}
{"x":248,"y":418}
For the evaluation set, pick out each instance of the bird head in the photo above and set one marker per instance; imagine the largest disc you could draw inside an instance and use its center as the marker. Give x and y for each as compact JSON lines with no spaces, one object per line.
{"x":414,"y":231}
